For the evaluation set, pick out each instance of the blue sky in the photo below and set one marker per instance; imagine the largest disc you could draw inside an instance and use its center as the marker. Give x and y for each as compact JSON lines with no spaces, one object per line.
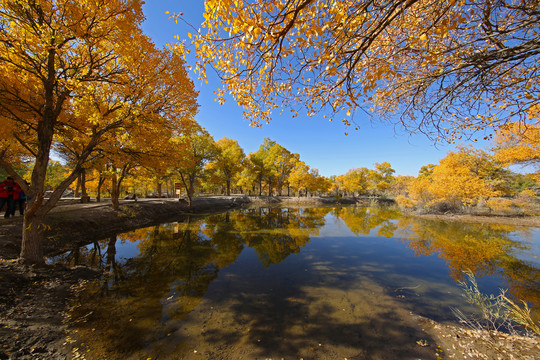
{"x":320,"y":143}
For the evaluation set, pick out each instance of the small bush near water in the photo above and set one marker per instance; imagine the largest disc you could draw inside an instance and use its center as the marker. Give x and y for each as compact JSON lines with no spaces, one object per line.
{"x":496,"y":312}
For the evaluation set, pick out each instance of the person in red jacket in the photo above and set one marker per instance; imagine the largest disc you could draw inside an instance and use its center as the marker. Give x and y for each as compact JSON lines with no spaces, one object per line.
{"x":9,"y":192}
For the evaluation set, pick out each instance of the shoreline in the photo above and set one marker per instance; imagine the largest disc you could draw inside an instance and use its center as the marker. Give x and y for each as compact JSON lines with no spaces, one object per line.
{"x":72,"y":222}
{"x":33,"y":299}
{"x":530,"y":221}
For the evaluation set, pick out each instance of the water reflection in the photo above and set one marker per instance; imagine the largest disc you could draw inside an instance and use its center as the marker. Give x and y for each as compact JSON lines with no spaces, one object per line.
{"x":485,"y":249}
{"x":362,"y":220}
{"x":155,"y":277}
{"x":137,"y":297}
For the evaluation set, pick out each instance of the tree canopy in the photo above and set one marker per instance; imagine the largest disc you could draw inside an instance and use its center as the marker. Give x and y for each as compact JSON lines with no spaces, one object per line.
{"x":77,"y":75}
{"x":445,"y":68}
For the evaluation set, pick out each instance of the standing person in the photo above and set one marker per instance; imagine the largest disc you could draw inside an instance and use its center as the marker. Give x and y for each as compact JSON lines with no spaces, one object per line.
{"x":8,"y":195}
{"x":16,"y":197}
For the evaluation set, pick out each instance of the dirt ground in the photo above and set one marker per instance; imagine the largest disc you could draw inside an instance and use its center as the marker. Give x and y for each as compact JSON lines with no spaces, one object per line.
{"x":33,"y":299}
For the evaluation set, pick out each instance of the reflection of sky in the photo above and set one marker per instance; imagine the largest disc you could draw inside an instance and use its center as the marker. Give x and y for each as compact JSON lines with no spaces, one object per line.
{"x":393,"y":258}
{"x":126,"y":249}
{"x":530,"y":238}
{"x":334,"y":227}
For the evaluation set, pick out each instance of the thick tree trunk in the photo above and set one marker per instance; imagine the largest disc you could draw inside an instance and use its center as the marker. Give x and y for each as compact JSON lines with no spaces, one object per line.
{"x":31,"y":251}
{"x":159,"y":189}
{"x":191,"y":190}
{"x":228,"y":187}
{"x":84,"y":195}
{"x":77,"y":187}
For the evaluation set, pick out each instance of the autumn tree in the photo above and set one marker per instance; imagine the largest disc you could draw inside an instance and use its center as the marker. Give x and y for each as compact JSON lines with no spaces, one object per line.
{"x":355,"y":181}
{"x":228,"y":161}
{"x":400,"y":185}
{"x":462,"y":178}
{"x":381,"y":178}
{"x":199,"y":148}
{"x":282,"y":162}
{"x":445,"y":68}
{"x":58,"y":58}
{"x":260,"y":167}
{"x":300,"y":177}
{"x":319,"y":184}
{"x":303,"y":178}
{"x":247,"y":182}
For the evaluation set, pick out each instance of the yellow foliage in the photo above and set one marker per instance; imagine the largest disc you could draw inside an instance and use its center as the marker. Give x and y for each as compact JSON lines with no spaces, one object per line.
{"x":461,"y":178}
{"x":346,"y":55}
{"x":518,"y":143}
{"x":498,"y":204}
{"x":527,"y":194}
{"x":405,"y":202}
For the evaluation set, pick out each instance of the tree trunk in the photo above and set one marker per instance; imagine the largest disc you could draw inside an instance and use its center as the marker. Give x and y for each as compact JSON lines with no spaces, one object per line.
{"x":115,"y":192}
{"x":188,"y":182}
{"x":191,"y":190}
{"x":77,"y":187}
{"x":228,"y":187}
{"x":31,"y":251}
{"x":100,"y":183}
{"x":84,"y":195}
{"x":158,"y":184}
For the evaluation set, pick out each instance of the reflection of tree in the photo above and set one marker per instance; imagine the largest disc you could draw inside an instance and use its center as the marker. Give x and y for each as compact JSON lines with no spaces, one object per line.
{"x":131,"y":306}
{"x":276,"y":233}
{"x":486,"y":249}
{"x":227,"y":241}
{"x":175,"y":265}
{"x":89,"y":255}
{"x":168,"y":278}
{"x":361,"y":220}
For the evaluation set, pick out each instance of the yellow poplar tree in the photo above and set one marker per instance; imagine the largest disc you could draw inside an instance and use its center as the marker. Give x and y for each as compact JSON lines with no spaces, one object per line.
{"x":197,"y":149}
{"x":57,"y":58}
{"x":461,"y":178}
{"x":445,"y":68}
{"x":228,"y":162}
{"x":282,"y":162}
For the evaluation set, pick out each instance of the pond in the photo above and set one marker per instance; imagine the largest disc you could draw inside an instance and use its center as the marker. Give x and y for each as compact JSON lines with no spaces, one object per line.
{"x":291,"y":283}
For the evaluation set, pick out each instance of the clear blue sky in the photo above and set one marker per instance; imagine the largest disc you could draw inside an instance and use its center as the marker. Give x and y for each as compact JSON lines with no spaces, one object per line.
{"x":320,"y":143}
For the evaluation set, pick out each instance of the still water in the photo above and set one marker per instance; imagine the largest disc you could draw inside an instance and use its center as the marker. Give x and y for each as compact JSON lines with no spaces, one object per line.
{"x":311,"y":283}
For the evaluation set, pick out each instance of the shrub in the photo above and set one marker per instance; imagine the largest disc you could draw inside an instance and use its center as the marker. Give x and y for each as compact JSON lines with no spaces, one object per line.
{"x":498,"y":204}
{"x":527,"y":194}
{"x":444,"y":206}
{"x":497,"y":312}
{"x":405,"y":202}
